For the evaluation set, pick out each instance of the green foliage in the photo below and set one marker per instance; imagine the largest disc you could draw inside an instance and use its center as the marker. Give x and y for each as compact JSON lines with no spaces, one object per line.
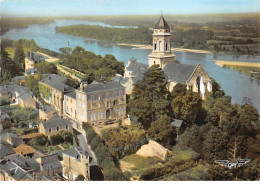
{"x":6,"y":124}
{"x":109,"y":167}
{"x":32,"y":83}
{"x":80,"y":178}
{"x":19,"y":56}
{"x":123,"y":141}
{"x":9,"y":68}
{"x":45,"y":91}
{"x":22,"y":117}
{"x":56,"y":139}
{"x":39,"y":141}
{"x":65,"y":50}
{"x":4,"y":100}
{"x":94,"y":66}
{"x":47,"y":68}
{"x":150,"y":98}
{"x":187,"y":106}
{"x":8,"y":23}
{"x":127,"y":35}
{"x":162,"y":131}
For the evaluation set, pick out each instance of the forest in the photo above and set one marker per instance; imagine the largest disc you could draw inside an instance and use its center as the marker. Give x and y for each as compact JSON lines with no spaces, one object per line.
{"x":236,"y":34}
{"x":8,"y":23}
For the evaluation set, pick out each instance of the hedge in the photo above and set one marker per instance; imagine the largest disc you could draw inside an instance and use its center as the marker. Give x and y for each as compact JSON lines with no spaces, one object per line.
{"x":110,"y":169}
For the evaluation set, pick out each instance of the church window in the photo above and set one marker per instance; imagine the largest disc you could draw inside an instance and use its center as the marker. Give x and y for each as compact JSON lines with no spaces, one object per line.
{"x":155,"y":44}
{"x":154,"y":62}
{"x":166,"y":46}
{"x":159,"y":45}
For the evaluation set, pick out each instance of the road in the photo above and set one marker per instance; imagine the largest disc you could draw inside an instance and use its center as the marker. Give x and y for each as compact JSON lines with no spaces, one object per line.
{"x":85,"y":146}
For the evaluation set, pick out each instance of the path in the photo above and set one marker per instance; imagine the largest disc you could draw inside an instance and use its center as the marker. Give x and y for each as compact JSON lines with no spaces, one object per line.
{"x":68,"y":73}
{"x":85,"y":146}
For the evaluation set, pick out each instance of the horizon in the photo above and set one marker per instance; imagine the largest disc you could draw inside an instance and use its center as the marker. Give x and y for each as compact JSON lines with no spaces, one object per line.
{"x":57,"y":8}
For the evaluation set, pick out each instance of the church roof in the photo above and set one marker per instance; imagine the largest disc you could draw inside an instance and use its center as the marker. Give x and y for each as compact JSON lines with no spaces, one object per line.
{"x":179,"y":73}
{"x":162,"y":24}
{"x":137,"y":69}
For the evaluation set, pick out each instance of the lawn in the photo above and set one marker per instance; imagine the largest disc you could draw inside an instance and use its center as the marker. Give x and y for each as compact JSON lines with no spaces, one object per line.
{"x":11,"y":50}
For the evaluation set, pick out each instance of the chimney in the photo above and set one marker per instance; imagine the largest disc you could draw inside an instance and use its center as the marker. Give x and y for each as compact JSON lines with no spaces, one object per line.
{"x":81,"y":87}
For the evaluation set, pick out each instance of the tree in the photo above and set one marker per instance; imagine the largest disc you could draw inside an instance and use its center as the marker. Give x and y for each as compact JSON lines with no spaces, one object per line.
{"x":32,"y":83}
{"x":80,"y":178}
{"x":65,"y":50}
{"x":89,"y":76}
{"x":150,"y":98}
{"x":187,"y":106}
{"x":46,"y":68}
{"x":162,"y":131}
{"x":214,"y":145}
{"x":9,"y":69}
{"x":19,"y":56}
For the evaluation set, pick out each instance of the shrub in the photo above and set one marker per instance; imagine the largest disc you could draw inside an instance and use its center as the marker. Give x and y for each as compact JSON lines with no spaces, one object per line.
{"x":80,"y":178}
{"x":4,"y":101}
{"x":56,"y":139}
{"x":6,"y":124}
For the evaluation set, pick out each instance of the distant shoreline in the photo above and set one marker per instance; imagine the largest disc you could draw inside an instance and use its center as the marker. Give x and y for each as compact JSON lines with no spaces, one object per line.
{"x":140,"y":46}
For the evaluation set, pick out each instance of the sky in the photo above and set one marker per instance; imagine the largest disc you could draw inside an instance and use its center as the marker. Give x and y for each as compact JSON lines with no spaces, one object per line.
{"x":125,"y":7}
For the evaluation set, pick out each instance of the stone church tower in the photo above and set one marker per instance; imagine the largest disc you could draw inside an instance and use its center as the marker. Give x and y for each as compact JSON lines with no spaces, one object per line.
{"x":161,"y":54}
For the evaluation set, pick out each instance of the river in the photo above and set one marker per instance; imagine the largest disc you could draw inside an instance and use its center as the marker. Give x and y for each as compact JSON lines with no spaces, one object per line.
{"x":235,"y":84}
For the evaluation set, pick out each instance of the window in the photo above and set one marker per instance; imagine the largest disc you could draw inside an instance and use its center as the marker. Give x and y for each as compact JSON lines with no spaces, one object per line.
{"x":107,"y":95}
{"x":58,"y":128}
{"x":154,"y":62}
{"x":71,"y":110}
{"x":120,"y":93}
{"x":92,"y":97}
{"x":108,"y":103}
{"x":99,"y":97}
{"x":114,"y":93}
{"x":70,"y":100}
{"x":155,"y":45}
{"x":67,"y":127}
{"x":50,"y":130}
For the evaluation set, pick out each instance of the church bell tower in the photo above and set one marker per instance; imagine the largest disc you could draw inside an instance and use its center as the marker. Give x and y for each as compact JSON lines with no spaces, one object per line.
{"x":161,"y":54}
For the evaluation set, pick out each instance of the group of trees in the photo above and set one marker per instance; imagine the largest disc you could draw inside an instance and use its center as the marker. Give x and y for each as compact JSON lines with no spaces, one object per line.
{"x":9,"y":67}
{"x":214,"y":128}
{"x":94,"y":66}
{"x":140,"y":35}
{"x":155,"y":107}
{"x":124,"y":141}
{"x":109,"y":164}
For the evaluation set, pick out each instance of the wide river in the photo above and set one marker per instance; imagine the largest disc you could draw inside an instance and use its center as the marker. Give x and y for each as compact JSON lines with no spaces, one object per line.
{"x":235,"y":84}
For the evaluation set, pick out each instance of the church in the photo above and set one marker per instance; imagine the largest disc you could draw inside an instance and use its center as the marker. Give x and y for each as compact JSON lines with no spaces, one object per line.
{"x":194,"y":76}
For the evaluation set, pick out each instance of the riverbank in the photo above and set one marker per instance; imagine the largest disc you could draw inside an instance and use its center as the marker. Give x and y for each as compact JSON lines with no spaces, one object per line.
{"x":236,"y":63}
{"x":139,"y":46}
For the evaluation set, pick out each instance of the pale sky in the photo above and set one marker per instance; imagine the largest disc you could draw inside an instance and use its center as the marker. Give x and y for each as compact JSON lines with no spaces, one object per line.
{"x":125,"y":7}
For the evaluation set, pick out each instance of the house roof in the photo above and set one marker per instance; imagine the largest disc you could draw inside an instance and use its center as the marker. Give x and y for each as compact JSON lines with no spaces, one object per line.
{"x":52,"y":165}
{"x":161,"y":24}
{"x":75,"y":152}
{"x":31,"y":71}
{"x":137,"y":69}
{"x":5,"y":150}
{"x":24,"y":149}
{"x":15,"y":171}
{"x":177,"y":123}
{"x":100,"y":86}
{"x":55,"y":121}
{"x":56,"y":82}
{"x":177,"y":72}
{"x":3,"y":89}
{"x":35,"y":56}
{"x":46,"y":108}
{"x":25,"y":96}
{"x":25,"y":163}
{"x":72,"y":94}
{"x":17,"y":78}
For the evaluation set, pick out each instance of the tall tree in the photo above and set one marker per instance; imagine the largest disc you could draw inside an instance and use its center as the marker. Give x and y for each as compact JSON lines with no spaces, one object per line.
{"x":9,"y":69}
{"x":19,"y":56}
{"x":150,"y":98}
